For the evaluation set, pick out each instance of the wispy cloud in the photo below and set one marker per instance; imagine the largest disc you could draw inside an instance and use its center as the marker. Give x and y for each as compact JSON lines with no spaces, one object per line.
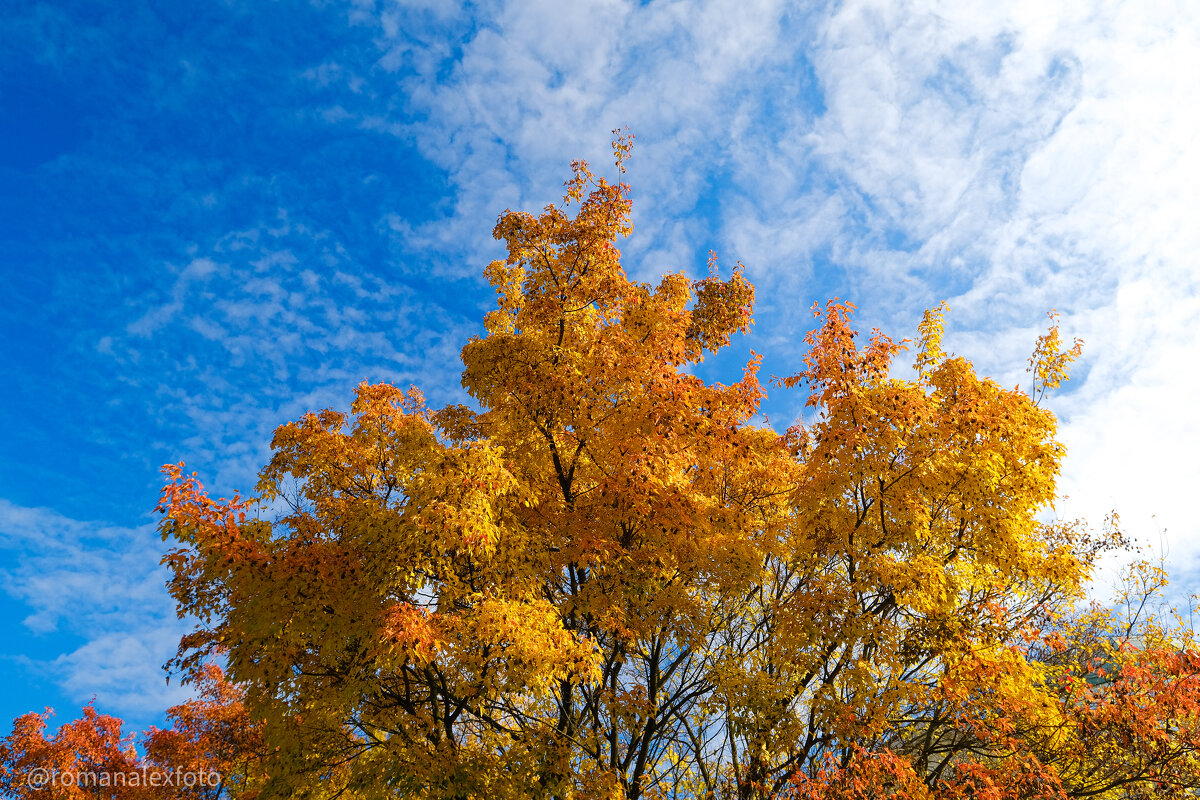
{"x":103,"y":585}
{"x":1041,"y":158}
{"x":250,"y":335}
{"x":1012,"y":158}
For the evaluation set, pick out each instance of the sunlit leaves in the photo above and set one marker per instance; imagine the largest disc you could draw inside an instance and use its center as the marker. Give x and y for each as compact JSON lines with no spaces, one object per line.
{"x":212,"y":751}
{"x":606,"y":579}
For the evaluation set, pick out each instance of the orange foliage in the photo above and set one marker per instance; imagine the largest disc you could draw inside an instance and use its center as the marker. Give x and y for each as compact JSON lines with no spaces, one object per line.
{"x":212,"y":750}
{"x":608,"y":579}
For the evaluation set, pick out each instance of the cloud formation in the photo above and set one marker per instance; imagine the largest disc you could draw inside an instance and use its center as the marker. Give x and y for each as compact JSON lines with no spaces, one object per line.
{"x":1012,"y":158}
{"x":100,"y":590}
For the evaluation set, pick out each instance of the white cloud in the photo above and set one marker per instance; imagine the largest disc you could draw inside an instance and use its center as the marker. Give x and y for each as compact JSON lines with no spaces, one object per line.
{"x":102,"y":583}
{"x":1039,"y":156}
{"x":247,"y":336}
{"x":535,"y":85}
{"x":1012,"y":156}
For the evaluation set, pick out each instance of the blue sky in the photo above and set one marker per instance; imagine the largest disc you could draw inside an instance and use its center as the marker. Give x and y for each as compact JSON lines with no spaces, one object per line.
{"x":218,"y":215}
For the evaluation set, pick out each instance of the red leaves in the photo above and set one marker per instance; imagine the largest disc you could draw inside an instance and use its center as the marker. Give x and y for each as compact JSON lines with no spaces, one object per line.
{"x":861,"y":775}
{"x":191,"y":516}
{"x":211,"y":744}
{"x":865,"y":775}
{"x":411,"y":630}
{"x":834,"y":364}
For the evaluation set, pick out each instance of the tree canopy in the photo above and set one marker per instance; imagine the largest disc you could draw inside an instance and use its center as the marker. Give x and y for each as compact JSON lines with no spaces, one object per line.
{"x":609,"y":579}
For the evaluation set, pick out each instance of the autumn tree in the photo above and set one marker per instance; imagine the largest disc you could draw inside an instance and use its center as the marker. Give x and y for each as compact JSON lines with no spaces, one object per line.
{"x":212,"y":751}
{"x":608,"y":579}
{"x":94,"y":743}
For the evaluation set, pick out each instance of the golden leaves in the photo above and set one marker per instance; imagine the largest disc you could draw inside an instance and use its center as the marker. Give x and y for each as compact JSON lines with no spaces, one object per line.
{"x":1049,"y":361}
{"x":722,"y":307}
{"x":606,"y":579}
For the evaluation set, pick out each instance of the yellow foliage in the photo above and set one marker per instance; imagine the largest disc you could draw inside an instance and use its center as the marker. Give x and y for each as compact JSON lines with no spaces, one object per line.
{"x":607,"y":580}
